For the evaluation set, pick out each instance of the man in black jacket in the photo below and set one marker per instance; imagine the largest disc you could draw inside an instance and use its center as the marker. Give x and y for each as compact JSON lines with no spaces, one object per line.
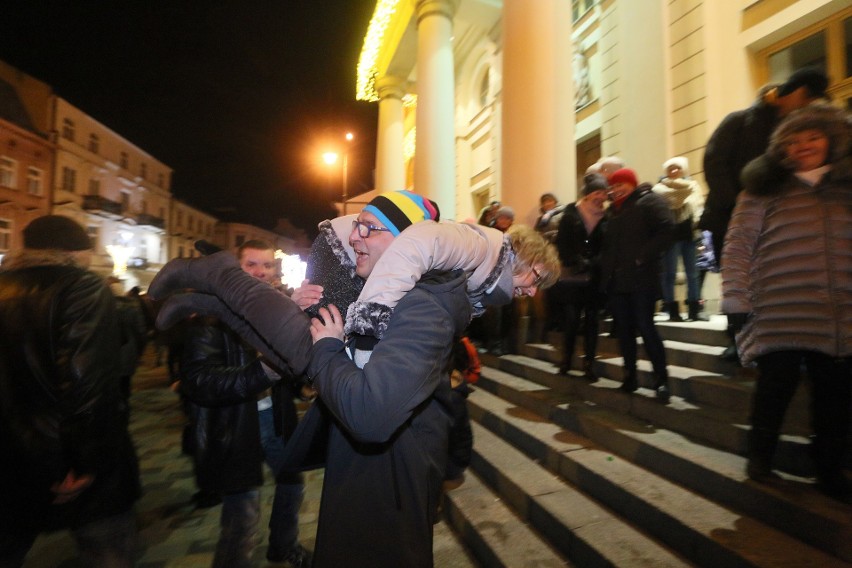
{"x":240,"y":410}
{"x":639,"y":231}
{"x":69,"y":461}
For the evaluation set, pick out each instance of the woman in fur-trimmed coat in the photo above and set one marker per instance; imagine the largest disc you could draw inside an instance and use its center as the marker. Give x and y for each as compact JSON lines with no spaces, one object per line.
{"x":787,"y":281}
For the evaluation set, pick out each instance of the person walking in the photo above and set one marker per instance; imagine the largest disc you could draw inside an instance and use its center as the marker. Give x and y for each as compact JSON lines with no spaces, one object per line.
{"x":69,"y":460}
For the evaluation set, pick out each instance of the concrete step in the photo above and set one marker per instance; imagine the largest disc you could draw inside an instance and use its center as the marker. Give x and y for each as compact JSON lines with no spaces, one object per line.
{"x":722,"y":428}
{"x":583,"y":530}
{"x":790,"y":504}
{"x":492,"y":532}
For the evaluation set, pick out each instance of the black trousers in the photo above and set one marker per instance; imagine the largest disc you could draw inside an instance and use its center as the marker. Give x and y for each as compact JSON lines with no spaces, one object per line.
{"x":578,"y":302}
{"x":832,"y":393}
{"x":634,"y":312}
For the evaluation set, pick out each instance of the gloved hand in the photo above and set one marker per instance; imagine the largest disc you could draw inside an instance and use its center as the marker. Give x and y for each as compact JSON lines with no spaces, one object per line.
{"x":737,"y":321}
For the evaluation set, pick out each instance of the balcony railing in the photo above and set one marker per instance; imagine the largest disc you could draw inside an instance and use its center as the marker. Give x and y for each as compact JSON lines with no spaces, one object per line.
{"x":102,"y":206}
{"x":148,"y":220}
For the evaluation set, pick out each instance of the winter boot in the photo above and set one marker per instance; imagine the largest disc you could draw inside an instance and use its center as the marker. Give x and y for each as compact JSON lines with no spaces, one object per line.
{"x":761,"y":448}
{"x":589,"y":370}
{"x":696,"y":311}
{"x":672,"y":309}
{"x":661,"y":388}
{"x":629,"y":384}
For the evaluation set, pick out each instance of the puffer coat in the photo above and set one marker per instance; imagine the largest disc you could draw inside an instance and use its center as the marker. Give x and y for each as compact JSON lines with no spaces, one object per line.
{"x":788,"y":262}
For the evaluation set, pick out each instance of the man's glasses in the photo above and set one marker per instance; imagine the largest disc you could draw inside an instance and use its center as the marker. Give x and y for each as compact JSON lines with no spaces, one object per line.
{"x":365,"y":228}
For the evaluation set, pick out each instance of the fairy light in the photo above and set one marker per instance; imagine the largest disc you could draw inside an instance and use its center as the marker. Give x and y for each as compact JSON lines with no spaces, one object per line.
{"x":368,"y":61}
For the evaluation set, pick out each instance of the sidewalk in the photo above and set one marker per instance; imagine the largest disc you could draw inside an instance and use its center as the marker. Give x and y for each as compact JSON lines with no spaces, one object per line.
{"x":172,"y":532}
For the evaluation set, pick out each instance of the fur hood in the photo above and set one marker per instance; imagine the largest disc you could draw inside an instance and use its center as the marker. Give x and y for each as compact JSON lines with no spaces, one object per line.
{"x":31,"y":258}
{"x":834,"y":122}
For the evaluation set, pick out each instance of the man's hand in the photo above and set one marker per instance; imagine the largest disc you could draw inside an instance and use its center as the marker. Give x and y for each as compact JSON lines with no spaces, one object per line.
{"x":332,"y":326}
{"x":71,"y":487}
{"x":307,"y":295}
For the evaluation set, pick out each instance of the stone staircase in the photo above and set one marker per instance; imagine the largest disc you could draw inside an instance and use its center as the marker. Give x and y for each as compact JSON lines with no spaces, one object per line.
{"x":571,"y":473}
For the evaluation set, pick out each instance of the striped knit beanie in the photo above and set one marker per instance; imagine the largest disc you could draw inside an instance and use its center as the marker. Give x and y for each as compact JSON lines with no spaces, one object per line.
{"x":396,"y":210}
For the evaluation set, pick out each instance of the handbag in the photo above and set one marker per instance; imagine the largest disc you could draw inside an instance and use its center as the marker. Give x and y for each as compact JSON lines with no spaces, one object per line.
{"x":571,"y":276}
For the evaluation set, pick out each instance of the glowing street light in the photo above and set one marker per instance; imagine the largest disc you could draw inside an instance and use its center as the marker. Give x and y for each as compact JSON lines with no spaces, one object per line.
{"x":330,"y":158}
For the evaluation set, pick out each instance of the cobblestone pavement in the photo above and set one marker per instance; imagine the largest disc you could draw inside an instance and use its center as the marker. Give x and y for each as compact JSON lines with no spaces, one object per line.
{"x":172,"y":532}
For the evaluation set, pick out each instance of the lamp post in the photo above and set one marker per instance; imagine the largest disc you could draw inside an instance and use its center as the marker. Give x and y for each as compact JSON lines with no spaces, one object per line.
{"x":349,"y":137}
{"x":330,"y":158}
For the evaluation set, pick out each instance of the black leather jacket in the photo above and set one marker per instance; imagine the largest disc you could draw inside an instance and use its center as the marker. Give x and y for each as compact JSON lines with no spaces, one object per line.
{"x":60,"y":404}
{"x":222,"y":379}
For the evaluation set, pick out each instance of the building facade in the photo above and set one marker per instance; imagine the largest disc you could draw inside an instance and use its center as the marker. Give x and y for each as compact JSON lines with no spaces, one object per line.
{"x":483,"y":100}
{"x":26,"y":156}
{"x":119,"y":192}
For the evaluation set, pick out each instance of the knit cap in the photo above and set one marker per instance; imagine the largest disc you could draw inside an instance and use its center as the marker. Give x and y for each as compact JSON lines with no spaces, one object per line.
{"x":624,"y":175}
{"x":56,"y":232}
{"x":397,"y":210}
{"x":593,"y":183}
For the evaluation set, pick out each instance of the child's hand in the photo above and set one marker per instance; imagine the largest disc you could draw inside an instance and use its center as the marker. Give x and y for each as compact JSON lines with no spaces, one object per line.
{"x":307,"y":295}
{"x":331,"y":324}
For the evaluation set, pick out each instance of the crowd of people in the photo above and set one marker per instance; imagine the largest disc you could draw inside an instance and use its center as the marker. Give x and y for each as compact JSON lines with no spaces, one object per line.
{"x":376,"y":338}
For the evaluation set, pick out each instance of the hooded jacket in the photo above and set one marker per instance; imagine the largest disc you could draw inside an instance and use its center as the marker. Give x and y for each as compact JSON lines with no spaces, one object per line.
{"x":61,"y":408}
{"x":788,"y":261}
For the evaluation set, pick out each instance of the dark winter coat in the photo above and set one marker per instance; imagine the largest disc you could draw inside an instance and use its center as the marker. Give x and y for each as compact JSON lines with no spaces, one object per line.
{"x":742,"y":136}
{"x":637,"y":236}
{"x":788,"y":262}
{"x":61,"y":408}
{"x":387,"y":448}
{"x":579,"y":250}
{"x":222,"y":378}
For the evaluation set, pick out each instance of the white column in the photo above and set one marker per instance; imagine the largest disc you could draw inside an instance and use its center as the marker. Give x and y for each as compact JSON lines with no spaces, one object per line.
{"x":390,"y":161}
{"x":538,"y":149}
{"x":435,"y":161}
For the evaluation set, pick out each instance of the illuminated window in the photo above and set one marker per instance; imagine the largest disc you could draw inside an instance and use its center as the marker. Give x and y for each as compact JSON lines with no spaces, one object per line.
{"x":94,"y":187}
{"x":826,"y":45}
{"x":69,"y":179}
{"x":579,"y":8}
{"x":5,"y":235}
{"x":35,"y":183}
{"x":68,"y":129}
{"x":809,"y":52}
{"x":8,"y":171}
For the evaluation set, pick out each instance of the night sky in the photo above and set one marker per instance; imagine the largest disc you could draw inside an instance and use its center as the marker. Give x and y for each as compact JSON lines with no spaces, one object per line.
{"x":237,"y":97}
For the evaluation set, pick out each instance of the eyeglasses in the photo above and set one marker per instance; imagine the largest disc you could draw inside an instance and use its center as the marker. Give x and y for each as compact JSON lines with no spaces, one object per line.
{"x":365,"y":228}
{"x":538,"y":277}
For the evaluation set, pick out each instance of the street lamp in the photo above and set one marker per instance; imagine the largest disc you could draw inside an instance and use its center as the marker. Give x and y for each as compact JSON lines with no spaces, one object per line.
{"x":330,"y":158}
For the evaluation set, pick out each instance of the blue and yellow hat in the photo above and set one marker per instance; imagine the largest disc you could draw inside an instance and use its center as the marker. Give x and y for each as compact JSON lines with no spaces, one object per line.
{"x":396,"y":210}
